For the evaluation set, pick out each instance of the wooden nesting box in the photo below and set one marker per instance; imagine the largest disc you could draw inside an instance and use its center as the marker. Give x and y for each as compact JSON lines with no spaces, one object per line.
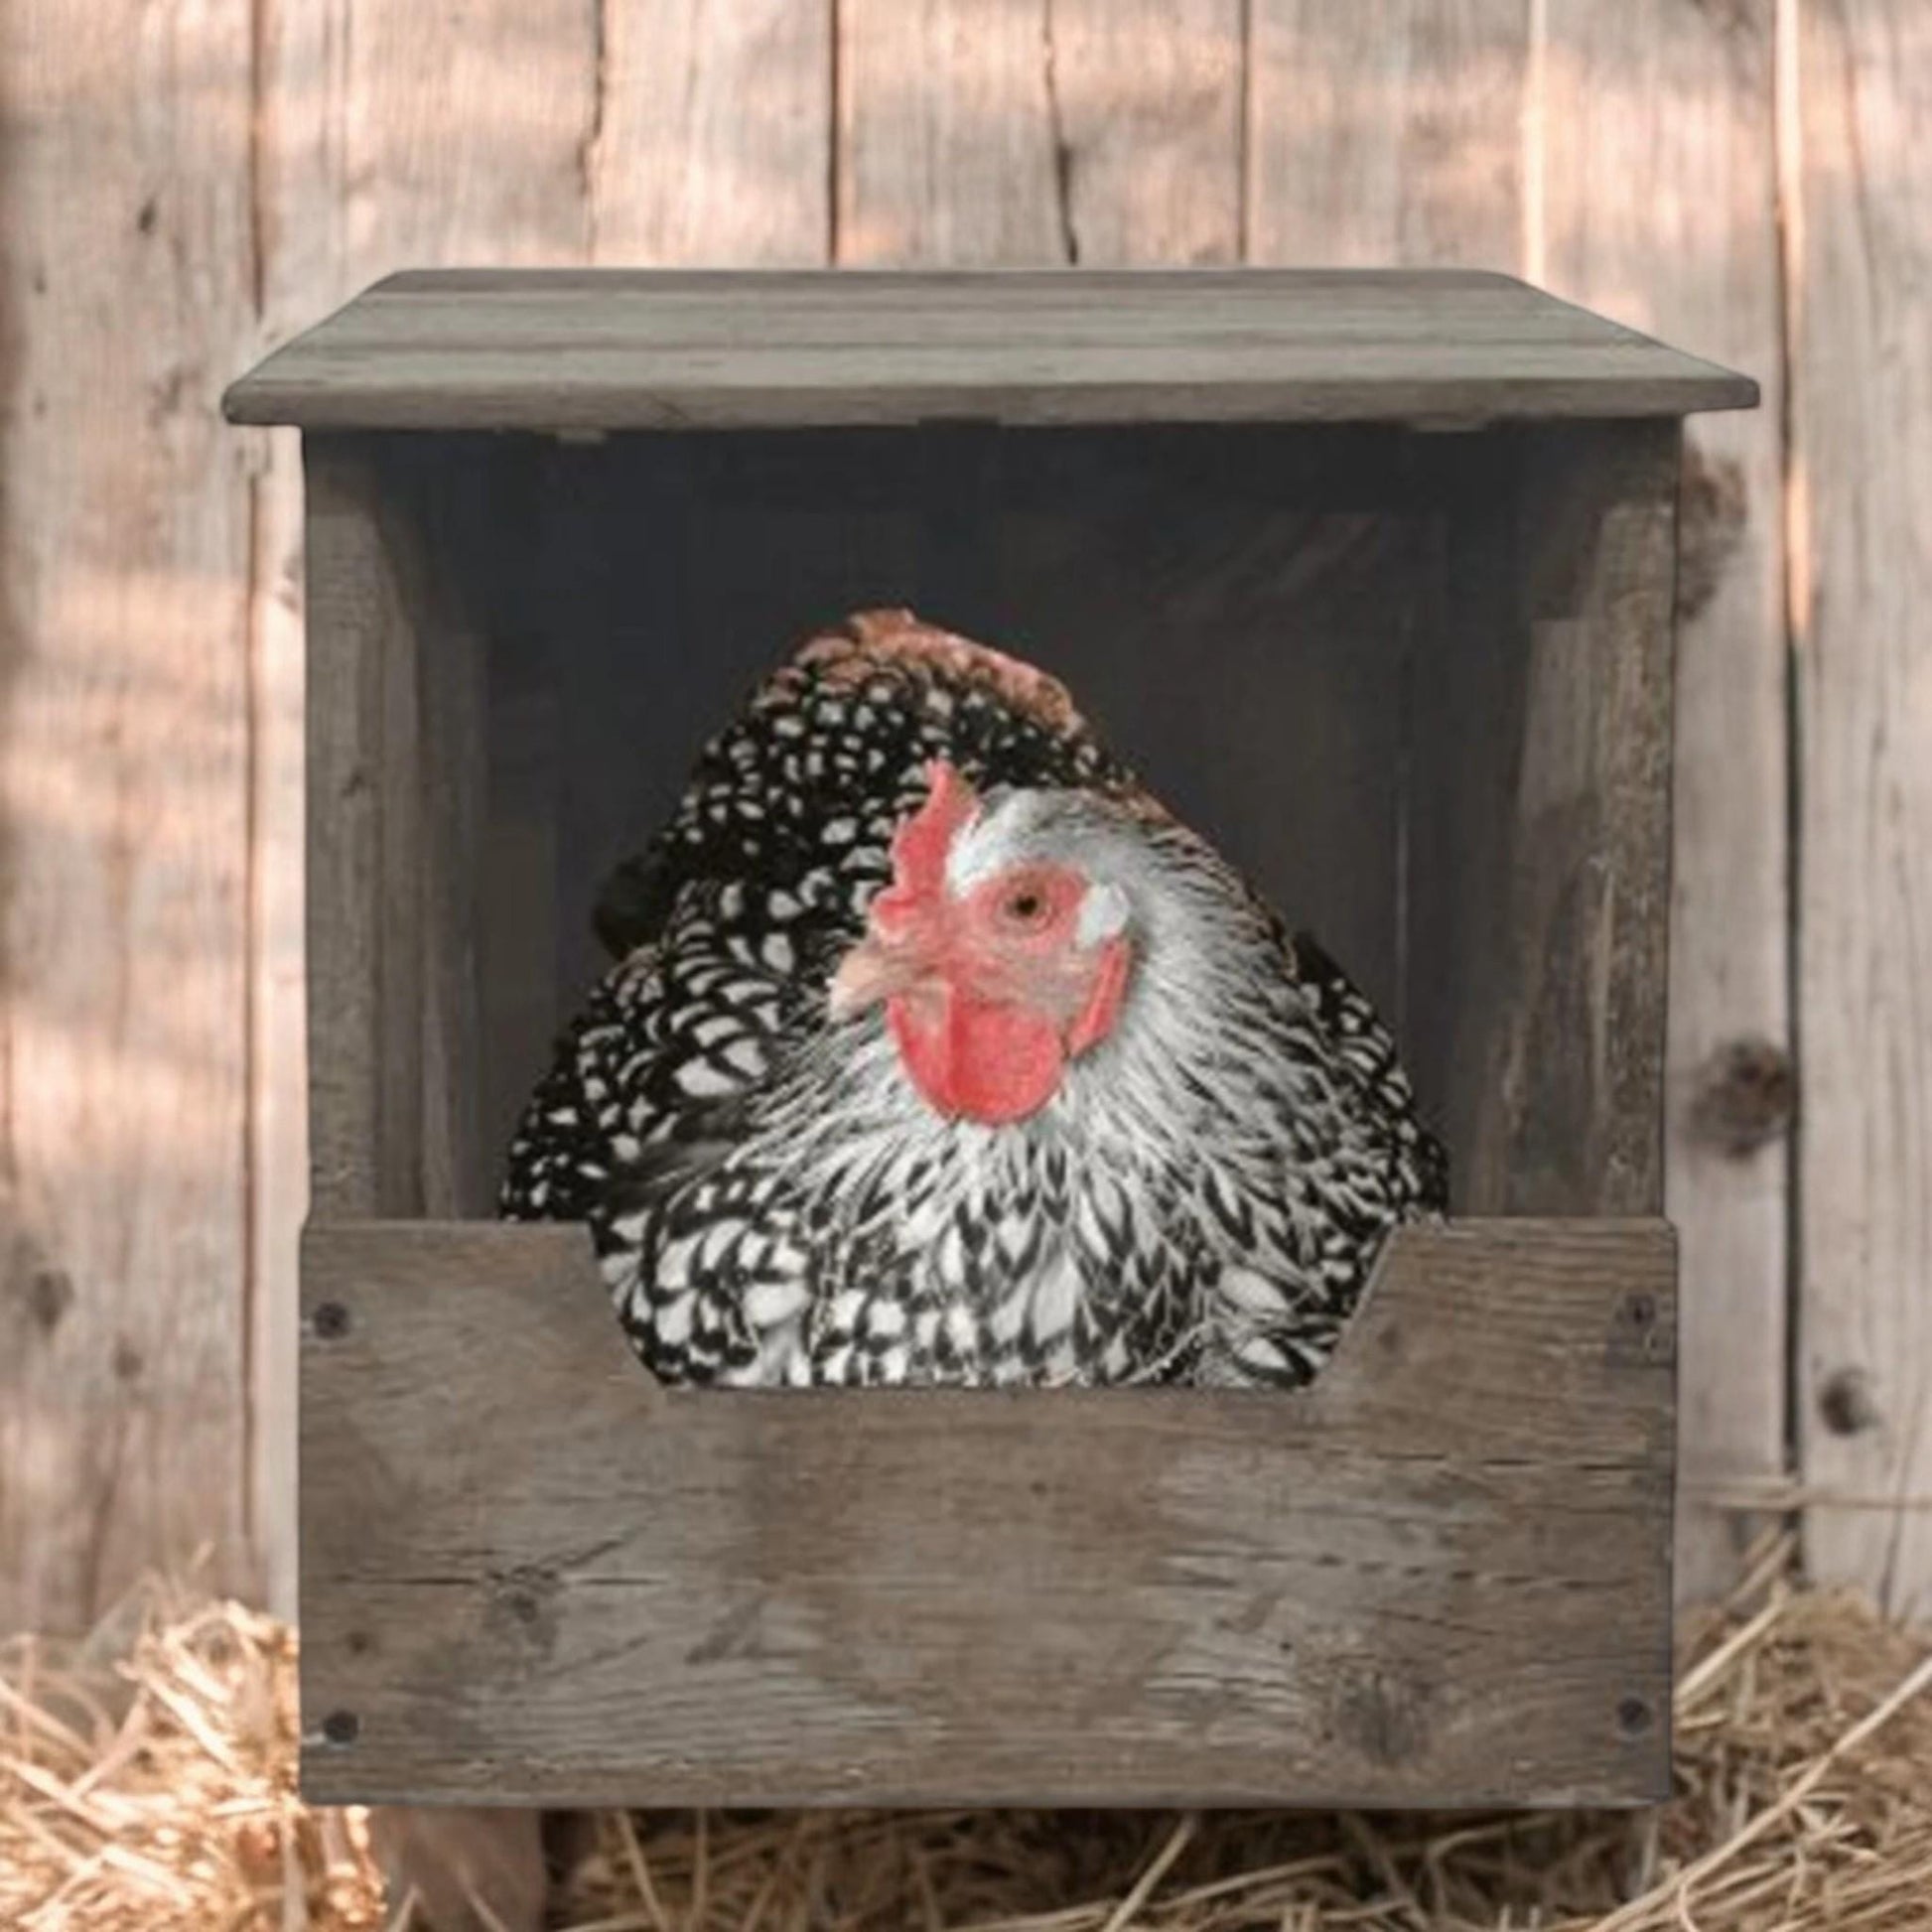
{"x":1371,"y":575}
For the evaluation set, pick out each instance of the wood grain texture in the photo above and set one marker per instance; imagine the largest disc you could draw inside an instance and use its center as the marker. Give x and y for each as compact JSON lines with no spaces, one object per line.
{"x":712,"y":138}
{"x":1864,"y":456}
{"x":1540,"y":843}
{"x":124,"y":549}
{"x":397,"y":704}
{"x":946,"y":135}
{"x":1442,"y":1575}
{"x":1145,"y":106}
{"x":1387,"y":131}
{"x":1082,"y":132}
{"x":365,"y":997}
{"x":396,"y":781}
{"x":687,"y":350}
{"x":1675,"y":106}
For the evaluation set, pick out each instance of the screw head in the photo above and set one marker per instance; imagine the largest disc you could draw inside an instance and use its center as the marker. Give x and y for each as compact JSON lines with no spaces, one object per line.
{"x":330,"y":1320}
{"x":342,"y":1728}
{"x":1633,"y":1716}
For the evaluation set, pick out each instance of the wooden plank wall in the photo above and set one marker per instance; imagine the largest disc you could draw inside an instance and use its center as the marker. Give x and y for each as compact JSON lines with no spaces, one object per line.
{"x":182,"y":186}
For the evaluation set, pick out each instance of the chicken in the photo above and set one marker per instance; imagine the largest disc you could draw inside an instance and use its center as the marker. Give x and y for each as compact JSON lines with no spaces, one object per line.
{"x":938,"y":1053}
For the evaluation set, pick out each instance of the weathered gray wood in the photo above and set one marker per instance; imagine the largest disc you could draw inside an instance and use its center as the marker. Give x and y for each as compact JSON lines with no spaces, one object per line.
{"x":712,"y":135}
{"x":1674,"y":106}
{"x":1041,"y":131}
{"x":1387,"y":131}
{"x":1442,"y":1575}
{"x":946,"y":139}
{"x":361,"y":1139}
{"x":1539,"y":855}
{"x":124,"y":830}
{"x":683,"y":350}
{"x":1862,"y":238}
{"x":395,"y":709}
{"x":1146,"y":110}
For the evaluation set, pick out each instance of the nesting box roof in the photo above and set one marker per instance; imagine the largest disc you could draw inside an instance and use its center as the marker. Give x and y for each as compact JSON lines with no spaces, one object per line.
{"x":612,"y":349}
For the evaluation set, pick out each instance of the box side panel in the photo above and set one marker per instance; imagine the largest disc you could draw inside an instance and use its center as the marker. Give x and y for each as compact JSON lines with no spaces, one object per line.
{"x":1539,"y":815}
{"x":395,"y":718}
{"x":1441,"y":1578}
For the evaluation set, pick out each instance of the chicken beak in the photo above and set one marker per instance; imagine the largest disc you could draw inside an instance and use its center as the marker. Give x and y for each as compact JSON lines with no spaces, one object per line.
{"x":871,"y":972}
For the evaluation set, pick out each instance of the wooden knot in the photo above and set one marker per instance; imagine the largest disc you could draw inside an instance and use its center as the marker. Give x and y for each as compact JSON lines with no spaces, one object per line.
{"x":50,"y":1294}
{"x":1712,"y":505}
{"x":1745,"y":1095}
{"x":1848,"y":1402}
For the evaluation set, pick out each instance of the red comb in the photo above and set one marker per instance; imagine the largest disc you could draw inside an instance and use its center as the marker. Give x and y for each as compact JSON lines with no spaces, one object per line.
{"x":921,"y":845}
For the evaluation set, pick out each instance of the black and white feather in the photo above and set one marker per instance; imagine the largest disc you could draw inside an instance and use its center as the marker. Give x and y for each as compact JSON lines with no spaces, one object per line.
{"x":772,"y":1201}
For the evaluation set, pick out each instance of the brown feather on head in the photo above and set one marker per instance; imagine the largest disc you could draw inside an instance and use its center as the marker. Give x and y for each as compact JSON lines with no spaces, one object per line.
{"x":869,"y":639}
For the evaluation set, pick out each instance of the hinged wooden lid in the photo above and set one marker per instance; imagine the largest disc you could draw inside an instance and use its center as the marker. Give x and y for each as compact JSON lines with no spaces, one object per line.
{"x":612,"y":349}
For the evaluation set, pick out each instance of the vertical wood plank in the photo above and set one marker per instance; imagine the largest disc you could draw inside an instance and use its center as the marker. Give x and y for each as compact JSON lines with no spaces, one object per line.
{"x":396,"y":722}
{"x":1145,"y":109}
{"x":1387,"y":131}
{"x":389,"y":139}
{"x":1862,"y":465}
{"x":364,"y":922}
{"x":1659,"y":207}
{"x":1000,"y":132}
{"x":945,"y":134}
{"x":713,"y":138}
{"x":1541,"y":824}
{"x":123,"y":801}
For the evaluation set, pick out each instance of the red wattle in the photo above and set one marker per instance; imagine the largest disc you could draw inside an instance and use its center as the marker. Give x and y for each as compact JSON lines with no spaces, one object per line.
{"x":976,"y":1060}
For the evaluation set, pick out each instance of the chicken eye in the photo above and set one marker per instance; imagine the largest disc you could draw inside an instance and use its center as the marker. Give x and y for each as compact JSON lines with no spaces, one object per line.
{"x":1025,"y":906}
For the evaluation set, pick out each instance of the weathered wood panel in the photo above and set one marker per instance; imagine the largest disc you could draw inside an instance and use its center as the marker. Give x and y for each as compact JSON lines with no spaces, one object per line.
{"x":1540,"y":842}
{"x":1075,"y":131}
{"x":1863,"y":467}
{"x":123,"y":758}
{"x":1658,"y":203}
{"x":603,"y":350}
{"x":946,"y":135}
{"x":712,"y":135}
{"x":1387,"y":131}
{"x":1441,"y":1576}
{"x":396,"y":706}
{"x":1144,"y":105}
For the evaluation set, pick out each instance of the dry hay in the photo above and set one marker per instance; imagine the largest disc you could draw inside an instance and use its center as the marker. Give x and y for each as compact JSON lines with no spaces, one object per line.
{"x":157,"y":1792}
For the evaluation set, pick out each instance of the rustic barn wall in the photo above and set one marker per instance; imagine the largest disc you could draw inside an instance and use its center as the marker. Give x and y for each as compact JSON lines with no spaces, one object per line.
{"x":125,"y":833}
{"x":184,"y":183}
{"x":1859,"y":116}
